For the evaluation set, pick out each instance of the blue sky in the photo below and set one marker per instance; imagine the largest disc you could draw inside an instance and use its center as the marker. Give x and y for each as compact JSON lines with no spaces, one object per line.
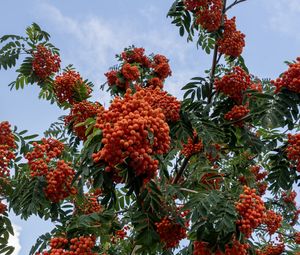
{"x":90,"y":33}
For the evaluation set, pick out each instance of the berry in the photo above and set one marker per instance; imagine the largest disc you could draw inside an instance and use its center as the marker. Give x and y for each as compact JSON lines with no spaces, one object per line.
{"x":135,"y":131}
{"x":251,"y":210}
{"x":272,"y":221}
{"x":3,"y":208}
{"x":193,"y":146}
{"x":130,"y":72}
{"x":7,"y":147}
{"x":234,"y":84}
{"x":79,"y":113}
{"x":170,"y":232}
{"x":237,"y":113}
{"x":293,"y":150}
{"x":233,"y":41}
{"x":70,"y":87}
{"x":136,"y":55}
{"x":209,"y":16}
{"x":161,"y":67}
{"x":290,"y":79}
{"x":44,"y":62}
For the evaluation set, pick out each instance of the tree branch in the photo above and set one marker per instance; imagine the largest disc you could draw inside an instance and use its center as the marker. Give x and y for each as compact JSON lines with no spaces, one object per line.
{"x":234,"y":3}
{"x":215,"y":61}
{"x":181,"y":170}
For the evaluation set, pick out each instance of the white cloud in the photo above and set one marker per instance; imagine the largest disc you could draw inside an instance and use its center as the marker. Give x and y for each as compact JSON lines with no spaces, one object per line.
{"x":95,"y":41}
{"x":15,"y":240}
{"x":285,"y":16}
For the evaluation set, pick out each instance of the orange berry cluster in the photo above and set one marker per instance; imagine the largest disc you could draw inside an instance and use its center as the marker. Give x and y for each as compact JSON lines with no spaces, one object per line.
{"x":272,"y":249}
{"x":273,"y":221}
{"x":133,"y":130}
{"x":7,"y":146}
{"x":236,"y":113}
{"x":257,"y":86}
{"x":293,"y":149}
{"x":136,"y":55}
{"x":59,"y":175}
{"x":261,"y":184}
{"x":232,"y":41}
{"x":79,"y":113}
{"x":44,"y":62}
{"x":3,"y":208}
{"x":193,"y":146}
{"x":236,"y":248}
{"x":297,"y":237}
{"x":130,"y":72}
{"x":289,"y":197}
{"x":42,"y":154}
{"x":192,"y":5}
{"x":209,"y":15}
{"x":161,"y":67}
{"x":170,"y":232}
{"x":169,"y":105}
{"x":67,"y":85}
{"x":59,"y":182}
{"x":251,"y":210}
{"x":290,"y":79}
{"x":82,"y":245}
{"x":90,"y":204}
{"x":234,"y":84}
{"x":134,"y":63}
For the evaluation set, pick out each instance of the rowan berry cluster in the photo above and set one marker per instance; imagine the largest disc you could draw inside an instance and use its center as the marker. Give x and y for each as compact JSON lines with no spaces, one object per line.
{"x":133,"y":130}
{"x":59,"y":182}
{"x":169,"y":105}
{"x":58,"y":174}
{"x":193,"y":146}
{"x":259,"y":179}
{"x":236,"y":114}
{"x":42,"y":154}
{"x":212,"y":180}
{"x":293,"y":149}
{"x":234,"y":84}
{"x":79,"y":113}
{"x":7,"y":146}
{"x":68,"y":86}
{"x":90,"y":203}
{"x":235,"y":248}
{"x":82,"y":245}
{"x":209,"y":15}
{"x":272,"y":249}
{"x":290,"y":79}
{"x":297,"y":237}
{"x":136,"y":55}
{"x":3,"y":207}
{"x":192,"y":5}
{"x":273,"y":221}
{"x":170,"y":232}
{"x":232,"y":41}
{"x":136,"y":68}
{"x":289,"y":197}
{"x":44,"y":62}
{"x":251,"y":210}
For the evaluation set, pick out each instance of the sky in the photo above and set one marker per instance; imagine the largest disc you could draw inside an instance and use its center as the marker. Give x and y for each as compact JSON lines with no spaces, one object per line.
{"x":90,"y":33}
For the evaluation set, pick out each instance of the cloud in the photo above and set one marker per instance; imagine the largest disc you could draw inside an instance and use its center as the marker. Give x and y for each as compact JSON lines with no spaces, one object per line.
{"x":93,"y":41}
{"x":285,"y":16}
{"x":15,"y":240}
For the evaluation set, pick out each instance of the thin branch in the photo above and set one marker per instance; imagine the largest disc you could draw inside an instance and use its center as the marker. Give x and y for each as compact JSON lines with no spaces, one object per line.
{"x":181,"y":170}
{"x":234,"y":3}
{"x":215,"y":61}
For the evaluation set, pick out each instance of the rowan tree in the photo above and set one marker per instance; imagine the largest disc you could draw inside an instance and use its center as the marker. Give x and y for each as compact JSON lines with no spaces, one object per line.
{"x":213,"y":173}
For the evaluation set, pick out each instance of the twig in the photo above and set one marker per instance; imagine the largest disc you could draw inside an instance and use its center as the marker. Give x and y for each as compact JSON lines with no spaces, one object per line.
{"x":215,"y":61}
{"x":181,"y":170}
{"x":234,"y":3}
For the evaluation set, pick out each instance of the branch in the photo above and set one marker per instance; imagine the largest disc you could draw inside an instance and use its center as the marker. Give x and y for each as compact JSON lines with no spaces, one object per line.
{"x":215,"y":61}
{"x":181,"y":170}
{"x":234,"y":3}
